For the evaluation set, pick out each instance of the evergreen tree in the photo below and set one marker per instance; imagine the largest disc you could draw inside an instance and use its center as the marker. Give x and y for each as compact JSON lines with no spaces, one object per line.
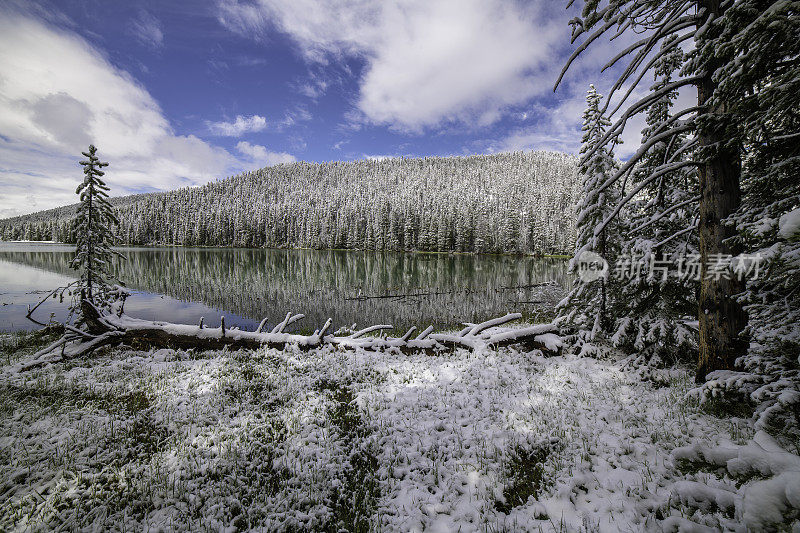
{"x":765,"y":36}
{"x":94,"y":234}
{"x":743,"y":64}
{"x":586,"y":306}
{"x":660,"y":232}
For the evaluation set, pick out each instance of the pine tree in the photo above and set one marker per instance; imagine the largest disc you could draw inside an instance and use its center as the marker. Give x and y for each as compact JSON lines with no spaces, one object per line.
{"x":586,"y":306}
{"x":659,"y":226}
{"x":766,"y":94}
{"x":94,"y":235}
{"x":736,"y":47}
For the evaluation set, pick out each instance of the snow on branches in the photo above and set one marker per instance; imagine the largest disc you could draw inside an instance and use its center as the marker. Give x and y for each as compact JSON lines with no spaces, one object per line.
{"x":94,"y":231}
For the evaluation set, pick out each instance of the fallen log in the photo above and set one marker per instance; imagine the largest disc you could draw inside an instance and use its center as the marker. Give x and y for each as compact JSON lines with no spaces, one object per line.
{"x":116,"y":329}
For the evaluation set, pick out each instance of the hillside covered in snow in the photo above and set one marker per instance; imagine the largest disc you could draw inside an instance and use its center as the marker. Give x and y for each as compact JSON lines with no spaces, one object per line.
{"x":521,"y":202}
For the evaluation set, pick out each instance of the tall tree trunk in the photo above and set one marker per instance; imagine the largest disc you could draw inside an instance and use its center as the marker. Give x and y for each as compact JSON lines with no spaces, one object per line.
{"x":721,"y":318}
{"x":89,"y":247}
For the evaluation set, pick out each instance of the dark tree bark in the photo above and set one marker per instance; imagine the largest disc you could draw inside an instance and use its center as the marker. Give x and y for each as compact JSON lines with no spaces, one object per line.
{"x":721,"y":317}
{"x":603,"y":314}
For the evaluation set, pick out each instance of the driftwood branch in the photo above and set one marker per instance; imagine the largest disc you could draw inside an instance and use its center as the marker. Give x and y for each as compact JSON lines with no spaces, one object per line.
{"x":58,"y":291}
{"x":290,"y":319}
{"x":111,"y":330}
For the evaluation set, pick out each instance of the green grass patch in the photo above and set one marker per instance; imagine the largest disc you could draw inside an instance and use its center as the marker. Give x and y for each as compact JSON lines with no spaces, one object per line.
{"x":355,"y":497}
{"x":526,"y":474}
{"x":728,"y":405}
{"x":43,"y":396}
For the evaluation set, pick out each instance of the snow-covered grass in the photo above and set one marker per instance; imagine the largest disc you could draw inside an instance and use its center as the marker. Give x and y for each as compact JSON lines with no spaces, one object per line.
{"x":19,"y":344}
{"x":330,"y":440}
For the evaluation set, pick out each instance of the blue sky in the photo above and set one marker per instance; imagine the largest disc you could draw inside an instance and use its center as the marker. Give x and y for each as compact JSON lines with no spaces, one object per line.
{"x":178,"y":93}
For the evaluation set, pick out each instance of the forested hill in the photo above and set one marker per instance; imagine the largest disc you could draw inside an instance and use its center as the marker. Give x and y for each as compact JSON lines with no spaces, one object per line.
{"x":512,"y":202}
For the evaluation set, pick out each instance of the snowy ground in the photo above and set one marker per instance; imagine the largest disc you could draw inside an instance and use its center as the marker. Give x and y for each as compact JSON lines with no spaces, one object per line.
{"x":332,"y":440}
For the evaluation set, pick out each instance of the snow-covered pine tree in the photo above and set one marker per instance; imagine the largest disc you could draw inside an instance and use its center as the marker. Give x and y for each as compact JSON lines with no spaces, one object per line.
{"x":732,"y":48}
{"x":768,"y":375}
{"x":766,"y":93}
{"x":659,"y":230}
{"x":585,"y":309}
{"x":95,"y":235}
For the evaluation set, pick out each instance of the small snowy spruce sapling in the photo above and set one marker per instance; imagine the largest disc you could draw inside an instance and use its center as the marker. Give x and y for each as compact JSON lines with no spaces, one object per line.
{"x":94,"y":235}
{"x":586,"y":307}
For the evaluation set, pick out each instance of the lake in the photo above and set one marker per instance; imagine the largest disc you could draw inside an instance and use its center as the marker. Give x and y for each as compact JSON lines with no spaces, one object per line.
{"x":245,"y":285}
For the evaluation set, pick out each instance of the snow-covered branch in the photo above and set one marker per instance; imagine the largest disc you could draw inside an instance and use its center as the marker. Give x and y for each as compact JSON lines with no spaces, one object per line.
{"x":635,"y":158}
{"x":664,"y":213}
{"x":665,"y":169}
{"x":618,"y":127}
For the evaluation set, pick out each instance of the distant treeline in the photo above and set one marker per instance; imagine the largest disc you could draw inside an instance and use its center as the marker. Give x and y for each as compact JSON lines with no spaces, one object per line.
{"x":520,"y":202}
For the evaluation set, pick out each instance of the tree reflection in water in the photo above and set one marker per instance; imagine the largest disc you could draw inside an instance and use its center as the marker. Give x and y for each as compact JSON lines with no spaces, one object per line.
{"x":351,"y":287}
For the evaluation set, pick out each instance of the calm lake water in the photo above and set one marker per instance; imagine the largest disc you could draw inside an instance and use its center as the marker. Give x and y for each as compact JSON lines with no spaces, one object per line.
{"x":182,"y":284}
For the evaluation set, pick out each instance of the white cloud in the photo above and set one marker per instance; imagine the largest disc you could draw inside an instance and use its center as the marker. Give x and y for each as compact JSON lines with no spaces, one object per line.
{"x":555,"y":124}
{"x":293,"y":117}
{"x":147,"y":30}
{"x":377,"y":157}
{"x":559,"y":128}
{"x":53,"y":104}
{"x":261,"y":156}
{"x":250,"y":61}
{"x":239,"y":126}
{"x":254,"y":123}
{"x":427,"y":63}
{"x":312,"y":91}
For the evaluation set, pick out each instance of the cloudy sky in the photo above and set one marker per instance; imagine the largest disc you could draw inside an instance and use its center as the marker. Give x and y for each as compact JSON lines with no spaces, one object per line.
{"x":176,"y":93}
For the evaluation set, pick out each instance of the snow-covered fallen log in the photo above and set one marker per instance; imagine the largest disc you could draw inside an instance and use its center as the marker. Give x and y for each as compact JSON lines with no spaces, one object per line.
{"x":110,"y":329}
{"x":540,"y":336}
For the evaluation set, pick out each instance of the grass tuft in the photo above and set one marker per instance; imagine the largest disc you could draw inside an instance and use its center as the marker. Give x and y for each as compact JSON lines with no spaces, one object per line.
{"x":355,"y":496}
{"x":525,"y":470}
{"x":15,"y":345}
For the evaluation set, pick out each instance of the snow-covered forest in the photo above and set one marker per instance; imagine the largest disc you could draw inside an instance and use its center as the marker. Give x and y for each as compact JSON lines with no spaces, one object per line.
{"x":520,"y":202}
